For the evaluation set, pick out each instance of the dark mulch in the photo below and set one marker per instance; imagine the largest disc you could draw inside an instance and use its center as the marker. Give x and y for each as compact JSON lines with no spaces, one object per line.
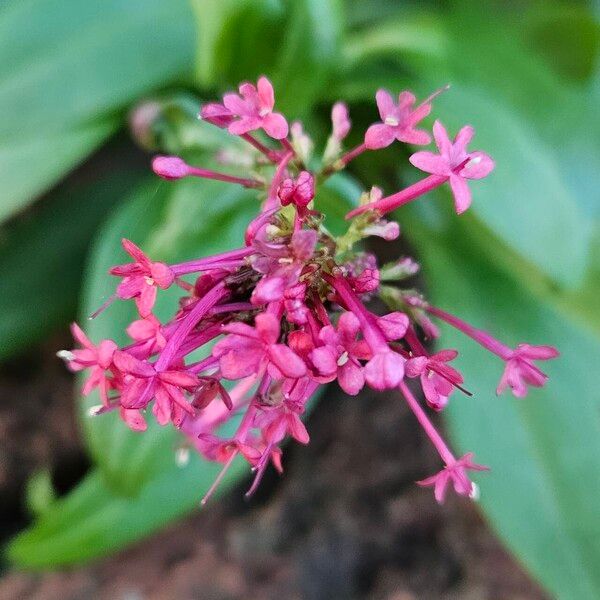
{"x":346,"y":521}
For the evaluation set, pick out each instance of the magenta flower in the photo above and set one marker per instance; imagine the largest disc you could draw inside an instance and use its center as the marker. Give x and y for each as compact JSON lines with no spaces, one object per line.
{"x":437,"y":378}
{"x":455,"y":162}
{"x":276,"y":422}
{"x":141,"y":278}
{"x":149,"y":335}
{"x":96,"y":358}
{"x":254,"y":109}
{"x":250,"y":350}
{"x":520,"y":370}
{"x":399,"y":121}
{"x":286,"y":313}
{"x":281,"y":265}
{"x":143,"y":382}
{"x":340,"y":355}
{"x":455,"y":473}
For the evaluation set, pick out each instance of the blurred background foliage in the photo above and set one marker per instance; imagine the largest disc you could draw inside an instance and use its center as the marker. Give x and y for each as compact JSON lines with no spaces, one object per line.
{"x":524,"y":262}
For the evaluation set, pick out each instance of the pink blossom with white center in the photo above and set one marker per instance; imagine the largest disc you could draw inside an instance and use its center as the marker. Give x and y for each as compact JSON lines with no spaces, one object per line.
{"x":253,"y":108}
{"x":398,"y":121}
{"x":143,"y":382}
{"x":437,"y":378}
{"x":340,"y":121}
{"x":149,"y":335}
{"x":96,"y":358}
{"x":141,"y":278}
{"x":455,"y":162}
{"x":520,"y":371}
{"x":281,"y":265}
{"x":271,"y":304}
{"x":250,"y":350}
{"x":340,"y":354}
{"x":276,"y":422}
{"x":455,"y":473}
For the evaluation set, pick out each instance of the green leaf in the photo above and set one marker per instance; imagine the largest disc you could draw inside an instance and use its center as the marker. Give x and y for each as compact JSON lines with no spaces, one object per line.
{"x":94,"y":521}
{"x":541,"y":495}
{"x":30,"y":164}
{"x":309,"y":55}
{"x":67,"y":68}
{"x":236,"y":39}
{"x":172,"y":222}
{"x":42,"y":258}
{"x":525,"y":188}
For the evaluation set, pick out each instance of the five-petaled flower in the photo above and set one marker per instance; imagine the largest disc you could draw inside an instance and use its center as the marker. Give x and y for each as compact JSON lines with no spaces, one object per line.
{"x":254,"y":109}
{"x":296,"y":306}
{"x":398,"y":121}
{"x":438,"y":379}
{"x":250,"y":350}
{"x":141,"y":278}
{"x":454,"y":162}
{"x":455,"y":473}
{"x":143,"y":382}
{"x":520,"y":371}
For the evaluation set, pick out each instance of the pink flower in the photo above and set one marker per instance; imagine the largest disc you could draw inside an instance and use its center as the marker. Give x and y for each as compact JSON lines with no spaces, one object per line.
{"x":520,"y":370}
{"x":340,"y":121}
{"x":97,"y":358}
{"x":254,"y":109}
{"x":141,"y":278}
{"x":149,"y":335}
{"x":143,"y":382}
{"x":299,"y":191}
{"x":455,"y":162}
{"x":250,"y":350}
{"x":217,"y":449}
{"x":399,"y":121}
{"x":340,"y":354}
{"x":437,"y":378}
{"x":455,"y":473}
{"x":281,"y":265}
{"x":276,"y":422}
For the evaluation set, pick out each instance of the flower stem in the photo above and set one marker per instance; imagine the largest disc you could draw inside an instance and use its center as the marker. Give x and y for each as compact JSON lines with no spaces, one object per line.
{"x":430,"y":430}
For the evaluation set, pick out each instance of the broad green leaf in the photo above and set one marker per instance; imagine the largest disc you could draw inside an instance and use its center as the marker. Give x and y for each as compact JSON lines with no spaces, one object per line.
{"x":541,"y":495}
{"x":30,"y":164}
{"x":236,"y":39}
{"x":42,"y":258}
{"x":170,"y":221}
{"x":67,"y":68}
{"x":525,"y":200}
{"x":94,"y":521}
{"x":309,"y":54}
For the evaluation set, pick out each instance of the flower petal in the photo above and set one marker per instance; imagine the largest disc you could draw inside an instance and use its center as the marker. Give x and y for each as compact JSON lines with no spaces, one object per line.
{"x":462,"y":193}
{"x":275,"y":126}
{"x":430,"y":163}
{"x":378,"y":136}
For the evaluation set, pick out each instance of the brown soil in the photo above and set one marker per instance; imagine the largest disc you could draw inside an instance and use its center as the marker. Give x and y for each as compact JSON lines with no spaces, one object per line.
{"x":346,"y":520}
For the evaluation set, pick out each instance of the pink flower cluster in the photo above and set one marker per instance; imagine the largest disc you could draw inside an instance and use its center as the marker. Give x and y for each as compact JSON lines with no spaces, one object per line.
{"x":290,"y":310}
